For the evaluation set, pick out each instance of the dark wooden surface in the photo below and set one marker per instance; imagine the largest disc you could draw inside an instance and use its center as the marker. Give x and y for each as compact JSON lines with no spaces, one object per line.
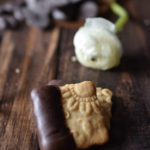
{"x":44,"y":55}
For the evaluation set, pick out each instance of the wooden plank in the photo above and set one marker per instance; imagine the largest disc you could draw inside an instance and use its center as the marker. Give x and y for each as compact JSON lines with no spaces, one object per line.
{"x":6,"y":51}
{"x":30,"y":57}
{"x":16,"y":121}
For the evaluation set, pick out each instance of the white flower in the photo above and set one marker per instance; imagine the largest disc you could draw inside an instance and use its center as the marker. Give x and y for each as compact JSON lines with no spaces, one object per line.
{"x":97,"y":45}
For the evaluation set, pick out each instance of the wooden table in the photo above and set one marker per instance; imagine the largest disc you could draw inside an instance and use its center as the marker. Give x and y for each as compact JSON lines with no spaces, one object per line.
{"x":30,"y":57}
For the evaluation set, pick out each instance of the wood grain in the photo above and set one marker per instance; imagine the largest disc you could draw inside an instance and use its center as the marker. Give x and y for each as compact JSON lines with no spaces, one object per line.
{"x":41,"y":56}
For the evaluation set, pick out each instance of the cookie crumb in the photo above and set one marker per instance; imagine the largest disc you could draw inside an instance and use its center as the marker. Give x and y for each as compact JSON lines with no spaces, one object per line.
{"x":17,"y":70}
{"x":74,"y":59}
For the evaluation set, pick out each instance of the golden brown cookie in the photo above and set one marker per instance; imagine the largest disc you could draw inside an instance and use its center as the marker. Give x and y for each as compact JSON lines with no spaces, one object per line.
{"x":87,"y":112}
{"x":104,"y":97}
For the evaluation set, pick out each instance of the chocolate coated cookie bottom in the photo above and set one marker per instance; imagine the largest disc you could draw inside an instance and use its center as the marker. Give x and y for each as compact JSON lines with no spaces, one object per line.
{"x":52,"y":131}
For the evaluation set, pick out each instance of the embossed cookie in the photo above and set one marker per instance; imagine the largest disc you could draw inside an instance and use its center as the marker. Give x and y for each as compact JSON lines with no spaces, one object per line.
{"x":104,"y":97}
{"x":87,"y":111}
{"x":71,"y":116}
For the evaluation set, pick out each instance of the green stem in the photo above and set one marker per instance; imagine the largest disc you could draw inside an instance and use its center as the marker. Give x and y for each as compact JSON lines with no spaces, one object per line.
{"x":122,"y":13}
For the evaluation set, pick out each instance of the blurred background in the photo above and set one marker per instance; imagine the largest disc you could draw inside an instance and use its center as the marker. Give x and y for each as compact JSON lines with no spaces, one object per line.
{"x":43,"y":13}
{"x":36,"y":46}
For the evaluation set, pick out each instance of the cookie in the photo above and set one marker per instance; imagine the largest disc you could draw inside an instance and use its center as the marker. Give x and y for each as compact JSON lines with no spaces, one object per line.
{"x":71,"y":116}
{"x":53,"y":134}
{"x":87,"y":116}
{"x":104,"y":97}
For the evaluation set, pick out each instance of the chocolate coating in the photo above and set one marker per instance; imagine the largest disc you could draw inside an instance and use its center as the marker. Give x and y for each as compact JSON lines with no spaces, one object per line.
{"x":52,"y":131}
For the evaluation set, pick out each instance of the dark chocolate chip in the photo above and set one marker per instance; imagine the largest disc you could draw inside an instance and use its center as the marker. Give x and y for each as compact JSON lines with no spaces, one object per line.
{"x":52,"y":131}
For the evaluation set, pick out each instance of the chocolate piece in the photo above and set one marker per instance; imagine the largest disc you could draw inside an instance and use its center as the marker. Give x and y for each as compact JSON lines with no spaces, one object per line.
{"x":52,"y":131}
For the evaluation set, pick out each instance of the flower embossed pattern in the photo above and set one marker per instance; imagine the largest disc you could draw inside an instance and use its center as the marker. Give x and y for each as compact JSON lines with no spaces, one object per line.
{"x":81,"y":97}
{"x":84,"y":112}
